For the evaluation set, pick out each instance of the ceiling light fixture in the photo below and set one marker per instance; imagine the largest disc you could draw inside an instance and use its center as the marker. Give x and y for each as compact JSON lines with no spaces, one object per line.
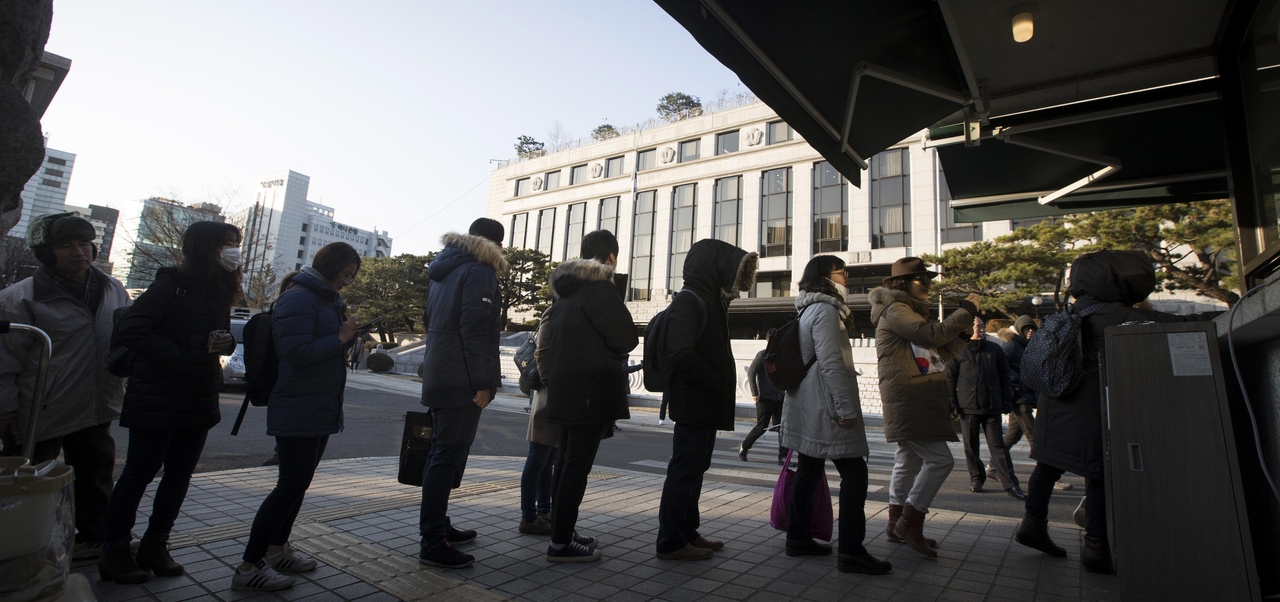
{"x":1023,"y":27}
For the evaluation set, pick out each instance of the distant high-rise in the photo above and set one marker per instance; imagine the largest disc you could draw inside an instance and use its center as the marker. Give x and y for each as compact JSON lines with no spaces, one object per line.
{"x":46,"y":192}
{"x":151,"y":235}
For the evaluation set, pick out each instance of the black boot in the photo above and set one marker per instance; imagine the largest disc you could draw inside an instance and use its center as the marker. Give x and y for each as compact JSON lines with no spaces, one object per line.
{"x":119,"y":566}
{"x":1095,"y":555}
{"x":1034,"y":533}
{"x":863,"y":563}
{"x":1016,"y":492}
{"x":154,"y":555}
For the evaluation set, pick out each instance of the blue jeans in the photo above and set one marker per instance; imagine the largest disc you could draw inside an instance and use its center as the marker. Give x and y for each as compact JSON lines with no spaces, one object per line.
{"x":535,"y":482}
{"x":178,"y":452}
{"x":454,"y":431}
{"x":299,"y":457}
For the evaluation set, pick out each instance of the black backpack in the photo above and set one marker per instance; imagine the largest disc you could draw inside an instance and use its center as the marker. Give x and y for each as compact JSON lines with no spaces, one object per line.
{"x":783,"y":361}
{"x":1053,"y":362}
{"x":530,"y":380}
{"x":657,"y":366}
{"x":261,"y":366}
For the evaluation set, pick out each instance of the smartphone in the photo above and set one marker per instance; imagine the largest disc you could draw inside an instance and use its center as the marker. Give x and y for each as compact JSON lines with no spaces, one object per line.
{"x":213,"y":336}
{"x":370,"y":325}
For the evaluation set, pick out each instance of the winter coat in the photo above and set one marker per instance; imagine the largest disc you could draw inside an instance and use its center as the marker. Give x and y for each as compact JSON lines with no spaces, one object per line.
{"x":1013,"y":350}
{"x":585,"y":339}
{"x":307,"y":398}
{"x":175,"y":379}
{"x":704,"y":382}
{"x":979,"y":380}
{"x":759,"y":381}
{"x":460,"y":356}
{"x":916,"y":407}
{"x":79,"y":392}
{"x":830,"y":388}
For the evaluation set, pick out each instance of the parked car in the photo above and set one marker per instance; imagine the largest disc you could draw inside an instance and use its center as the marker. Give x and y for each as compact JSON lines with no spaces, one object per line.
{"x":233,"y":365}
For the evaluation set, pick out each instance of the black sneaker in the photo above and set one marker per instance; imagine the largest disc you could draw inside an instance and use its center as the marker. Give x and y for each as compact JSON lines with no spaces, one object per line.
{"x":457,"y":538}
{"x":589,"y":543}
{"x":863,"y":563}
{"x":572,"y":552}
{"x":444,"y":555}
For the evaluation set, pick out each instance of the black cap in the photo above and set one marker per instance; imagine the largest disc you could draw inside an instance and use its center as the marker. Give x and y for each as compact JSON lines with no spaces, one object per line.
{"x":58,"y":228}
{"x":489,"y":229}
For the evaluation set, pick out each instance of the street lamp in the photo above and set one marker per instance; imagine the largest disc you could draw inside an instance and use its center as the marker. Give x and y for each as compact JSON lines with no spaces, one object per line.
{"x":1036,"y":300}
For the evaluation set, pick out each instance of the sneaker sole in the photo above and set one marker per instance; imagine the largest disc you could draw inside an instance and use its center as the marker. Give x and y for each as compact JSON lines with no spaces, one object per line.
{"x":674,"y":557}
{"x":461,"y":542}
{"x":591,"y":558}
{"x":446,"y":566}
{"x":245,"y":588}
{"x":296,"y":569}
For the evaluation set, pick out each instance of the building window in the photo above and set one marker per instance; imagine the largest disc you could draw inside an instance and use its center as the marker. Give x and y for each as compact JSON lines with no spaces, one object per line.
{"x":776,"y":132}
{"x":890,"y":199}
{"x":576,"y":227}
{"x":546,"y":230}
{"x":609,"y":215}
{"x":302,"y":240}
{"x":860,"y":279}
{"x":689,"y":150}
{"x":57,"y":173}
{"x":775,"y":284}
{"x":299,"y":253}
{"x":1027,"y":222}
{"x":57,"y":161}
{"x":642,"y":246}
{"x":830,"y":205}
{"x":775,"y":213}
{"x":297,"y":266}
{"x":519,"y":229}
{"x":52,"y":183}
{"x":578,"y":174}
{"x":646,"y":159}
{"x":613,"y":167}
{"x":683,"y":200}
{"x":726,"y":143}
{"x":523,"y":186}
{"x":551,"y":181}
{"x":952,"y":231}
{"x":728,"y":209}
{"x":304,"y":227}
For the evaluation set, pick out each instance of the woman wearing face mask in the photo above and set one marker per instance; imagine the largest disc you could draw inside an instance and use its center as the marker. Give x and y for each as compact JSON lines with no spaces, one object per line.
{"x":176,"y":330}
{"x":822,"y":420}
{"x":312,"y":333}
{"x":910,"y":346}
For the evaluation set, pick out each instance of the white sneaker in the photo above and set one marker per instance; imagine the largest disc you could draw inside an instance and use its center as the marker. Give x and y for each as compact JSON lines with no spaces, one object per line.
{"x":262,"y":578}
{"x":661,"y":421}
{"x":290,"y":561}
{"x":1078,"y":515}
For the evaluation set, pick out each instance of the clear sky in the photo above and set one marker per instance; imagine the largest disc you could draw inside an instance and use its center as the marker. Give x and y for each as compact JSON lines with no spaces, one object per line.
{"x":393,"y":108}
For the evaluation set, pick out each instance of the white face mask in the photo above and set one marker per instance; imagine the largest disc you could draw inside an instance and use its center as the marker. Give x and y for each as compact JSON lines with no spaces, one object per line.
{"x":840,"y":288}
{"x":229,"y":258}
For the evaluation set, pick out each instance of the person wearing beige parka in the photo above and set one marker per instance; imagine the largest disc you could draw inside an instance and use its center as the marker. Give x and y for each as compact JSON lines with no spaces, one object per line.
{"x":917,"y":411}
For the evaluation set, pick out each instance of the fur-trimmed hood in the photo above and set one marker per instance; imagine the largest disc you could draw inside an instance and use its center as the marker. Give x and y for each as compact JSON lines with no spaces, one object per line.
{"x":461,"y":248}
{"x":881,"y":298}
{"x":572,"y":275}
{"x":716,"y":267}
{"x":807,"y":298}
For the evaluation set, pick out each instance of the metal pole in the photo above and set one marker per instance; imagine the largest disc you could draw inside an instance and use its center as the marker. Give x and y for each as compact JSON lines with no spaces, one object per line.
{"x":37,"y":394}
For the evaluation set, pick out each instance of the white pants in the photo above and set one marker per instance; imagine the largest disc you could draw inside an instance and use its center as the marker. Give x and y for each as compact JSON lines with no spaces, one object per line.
{"x":919,"y":470}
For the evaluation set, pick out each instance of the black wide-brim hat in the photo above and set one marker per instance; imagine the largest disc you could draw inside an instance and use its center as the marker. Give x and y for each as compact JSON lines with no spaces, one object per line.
{"x":909,"y":267}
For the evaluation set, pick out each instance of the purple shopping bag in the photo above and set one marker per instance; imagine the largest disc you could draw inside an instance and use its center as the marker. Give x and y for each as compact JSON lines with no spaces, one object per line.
{"x":820,"y":521}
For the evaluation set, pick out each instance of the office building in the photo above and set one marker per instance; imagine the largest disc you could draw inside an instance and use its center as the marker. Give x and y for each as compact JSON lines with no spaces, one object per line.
{"x":46,"y":191}
{"x":151,"y":236}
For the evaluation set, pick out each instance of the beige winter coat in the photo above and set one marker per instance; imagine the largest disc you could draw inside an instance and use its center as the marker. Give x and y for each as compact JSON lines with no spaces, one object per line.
{"x":541,"y":431}
{"x":916,"y":406}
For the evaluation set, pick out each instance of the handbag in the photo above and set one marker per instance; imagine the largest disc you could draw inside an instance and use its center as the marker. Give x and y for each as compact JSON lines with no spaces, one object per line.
{"x":414,"y":447}
{"x":822,"y":519}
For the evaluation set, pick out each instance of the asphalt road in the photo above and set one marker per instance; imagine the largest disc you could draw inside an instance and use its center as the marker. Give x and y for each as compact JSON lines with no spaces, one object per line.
{"x":374,"y":421}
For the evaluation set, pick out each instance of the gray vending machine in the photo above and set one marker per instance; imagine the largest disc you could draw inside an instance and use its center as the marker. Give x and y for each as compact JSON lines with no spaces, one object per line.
{"x":1175,"y":506}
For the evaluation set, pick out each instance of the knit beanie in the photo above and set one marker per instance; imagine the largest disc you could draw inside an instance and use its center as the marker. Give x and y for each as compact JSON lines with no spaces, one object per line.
{"x":489,"y":229}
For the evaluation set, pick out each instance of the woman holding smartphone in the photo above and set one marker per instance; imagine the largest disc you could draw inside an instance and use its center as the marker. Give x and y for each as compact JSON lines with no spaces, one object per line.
{"x":175,"y":330}
{"x":312,"y":333}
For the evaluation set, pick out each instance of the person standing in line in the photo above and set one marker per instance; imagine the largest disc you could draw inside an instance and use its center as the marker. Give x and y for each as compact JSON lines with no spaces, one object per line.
{"x":917,"y":414}
{"x":703,"y":387}
{"x":586,"y":337}
{"x":461,"y":373}
{"x":312,"y":333}
{"x":822,"y":420}
{"x":536,"y":484}
{"x":768,"y":403}
{"x":981,"y":388}
{"x":73,"y":302}
{"x":176,"y":330}
{"x":1022,"y":419}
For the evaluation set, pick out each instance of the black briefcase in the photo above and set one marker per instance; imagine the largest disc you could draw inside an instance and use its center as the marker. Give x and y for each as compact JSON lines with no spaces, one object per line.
{"x":414,"y":447}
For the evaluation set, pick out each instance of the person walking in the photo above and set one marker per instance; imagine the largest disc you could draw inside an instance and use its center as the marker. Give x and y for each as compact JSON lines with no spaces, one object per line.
{"x":1068,"y":430}
{"x":176,"y":330}
{"x":1022,"y":417}
{"x":73,"y":302}
{"x":822,"y":420}
{"x":536,"y":480}
{"x":312,"y":335}
{"x":586,"y":337}
{"x":917,"y":414}
{"x":980,"y":385}
{"x":768,"y":403}
{"x":460,"y":369}
{"x":702,"y":389}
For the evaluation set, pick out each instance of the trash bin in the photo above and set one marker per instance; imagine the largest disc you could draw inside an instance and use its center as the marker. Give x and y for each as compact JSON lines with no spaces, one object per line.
{"x":37,"y":529}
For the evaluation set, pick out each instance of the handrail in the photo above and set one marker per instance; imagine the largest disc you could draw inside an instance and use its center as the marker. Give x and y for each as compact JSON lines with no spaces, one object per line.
{"x":37,"y":394}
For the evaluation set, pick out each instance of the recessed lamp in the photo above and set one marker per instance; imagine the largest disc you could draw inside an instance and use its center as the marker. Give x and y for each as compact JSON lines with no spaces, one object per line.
{"x":1023,"y":27}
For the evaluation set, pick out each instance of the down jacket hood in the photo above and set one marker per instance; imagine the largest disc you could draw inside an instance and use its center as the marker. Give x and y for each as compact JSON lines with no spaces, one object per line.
{"x":460,"y":249}
{"x":713,"y":266}
{"x":881,"y":298}
{"x":572,"y":275}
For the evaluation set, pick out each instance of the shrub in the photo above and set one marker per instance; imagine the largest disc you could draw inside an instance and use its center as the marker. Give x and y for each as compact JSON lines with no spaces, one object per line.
{"x":380,"y":362}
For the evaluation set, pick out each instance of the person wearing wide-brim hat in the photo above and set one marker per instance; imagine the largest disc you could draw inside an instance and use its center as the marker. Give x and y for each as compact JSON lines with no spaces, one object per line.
{"x":910,"y":349}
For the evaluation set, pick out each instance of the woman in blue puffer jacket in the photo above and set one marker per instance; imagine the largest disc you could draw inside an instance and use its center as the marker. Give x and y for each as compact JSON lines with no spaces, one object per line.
{"x":312,"y":334}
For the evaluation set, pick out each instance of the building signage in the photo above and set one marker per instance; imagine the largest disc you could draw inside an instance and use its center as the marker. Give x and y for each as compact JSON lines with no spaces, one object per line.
{"x":342,"y":228}
{"x":272,"y":183}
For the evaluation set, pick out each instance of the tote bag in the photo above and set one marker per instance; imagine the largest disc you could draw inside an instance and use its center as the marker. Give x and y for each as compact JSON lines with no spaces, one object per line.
{"x":820,"y":522}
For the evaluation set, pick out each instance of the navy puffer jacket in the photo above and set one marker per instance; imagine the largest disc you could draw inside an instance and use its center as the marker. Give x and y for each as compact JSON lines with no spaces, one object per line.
{"x":307,"y":398}
{"x":464,"y":303}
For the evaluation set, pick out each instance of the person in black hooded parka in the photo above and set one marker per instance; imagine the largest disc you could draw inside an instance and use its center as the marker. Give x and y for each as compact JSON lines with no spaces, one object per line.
{"x":1068,"y":431}
{"x":703,"y":387}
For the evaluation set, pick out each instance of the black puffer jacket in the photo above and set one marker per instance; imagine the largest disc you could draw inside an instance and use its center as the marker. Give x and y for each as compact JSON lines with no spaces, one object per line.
{"x":583,"y":343}
{"x":175,"y":380}
{"x":704,"y":381}
{"x":1013,"y":350}
{"x":979,"y":380}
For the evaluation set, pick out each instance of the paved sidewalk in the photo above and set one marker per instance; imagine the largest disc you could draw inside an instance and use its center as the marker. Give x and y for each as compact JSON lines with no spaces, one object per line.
{"x":362,"y":526}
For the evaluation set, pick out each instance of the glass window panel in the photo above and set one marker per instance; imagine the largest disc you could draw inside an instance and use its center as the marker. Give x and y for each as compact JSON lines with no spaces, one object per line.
{"x":578,"y":174}
{"x":727,"y":143}
{"x":778,"y":131}
{"x":523,"y":186}
{"x":689,"y":150}
{"x":551,"y":181}
{"x":647,"y":159}
{"x":642,"y":247}
{"x":576,"y":227}
{"x":613,"y":167}
{"x":519,"y":226}
{"x":546,"y":229}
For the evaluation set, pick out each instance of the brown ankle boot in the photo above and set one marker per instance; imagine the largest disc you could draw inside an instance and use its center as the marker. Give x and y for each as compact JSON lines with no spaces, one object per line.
{"x":910,"y":528}
{"x":1095,"y":555}
{"x":895,"y":511}
{"x":154,"y":555}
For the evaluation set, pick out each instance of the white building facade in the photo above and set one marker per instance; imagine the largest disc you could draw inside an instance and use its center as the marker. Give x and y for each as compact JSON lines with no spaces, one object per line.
{"x":46,"y":191}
